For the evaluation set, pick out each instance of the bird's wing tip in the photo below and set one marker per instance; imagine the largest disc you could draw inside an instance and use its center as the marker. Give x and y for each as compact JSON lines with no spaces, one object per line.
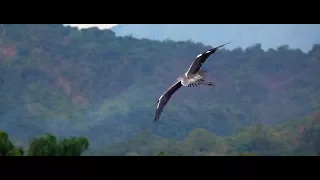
{"x":222,"y":45}
{"x":226,"y":44}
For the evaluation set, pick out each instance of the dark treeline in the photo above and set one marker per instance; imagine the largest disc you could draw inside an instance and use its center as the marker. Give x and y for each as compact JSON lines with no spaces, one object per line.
{"x":91,"y":83}
{"x":46,"y":145}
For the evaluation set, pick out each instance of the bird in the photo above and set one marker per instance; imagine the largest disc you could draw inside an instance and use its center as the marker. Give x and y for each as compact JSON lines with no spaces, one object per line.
{"x":193,"y":77}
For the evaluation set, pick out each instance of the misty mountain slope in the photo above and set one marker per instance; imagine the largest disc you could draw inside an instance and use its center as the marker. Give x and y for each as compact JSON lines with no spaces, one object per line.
{"x":301,"y":36}
{"x":90,"y":82}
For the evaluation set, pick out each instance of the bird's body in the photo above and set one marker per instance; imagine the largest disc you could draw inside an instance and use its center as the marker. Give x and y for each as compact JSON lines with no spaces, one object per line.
{"x":193,"y":77}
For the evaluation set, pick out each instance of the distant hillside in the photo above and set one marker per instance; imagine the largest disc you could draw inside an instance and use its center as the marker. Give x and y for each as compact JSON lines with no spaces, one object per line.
{"x":89,"y":82}
{"x":301,"y":36}
{"x":295,"y":137}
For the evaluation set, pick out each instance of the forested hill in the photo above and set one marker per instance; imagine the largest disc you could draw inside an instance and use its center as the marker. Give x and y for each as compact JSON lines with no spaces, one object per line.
{"x":91,"y":83}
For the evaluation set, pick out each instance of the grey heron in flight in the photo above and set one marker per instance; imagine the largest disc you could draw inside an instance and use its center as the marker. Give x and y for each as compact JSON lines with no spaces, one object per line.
{"x":193,"y":77}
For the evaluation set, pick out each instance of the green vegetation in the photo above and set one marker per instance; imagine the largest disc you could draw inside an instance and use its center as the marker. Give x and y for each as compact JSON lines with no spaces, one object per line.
{"x":299,"y":137}
{"x":256,"y":140}
{"x":46,"y":145}
{"x":7,"y":148}
{"x":91,"y":83}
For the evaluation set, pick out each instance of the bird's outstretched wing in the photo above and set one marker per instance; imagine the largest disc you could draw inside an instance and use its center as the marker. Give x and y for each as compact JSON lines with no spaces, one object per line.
{"x":200,"y":59}
{"x":165,"y":97}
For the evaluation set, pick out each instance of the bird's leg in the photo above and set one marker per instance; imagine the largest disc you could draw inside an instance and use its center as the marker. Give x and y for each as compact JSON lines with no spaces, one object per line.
{"x":205,"y":82}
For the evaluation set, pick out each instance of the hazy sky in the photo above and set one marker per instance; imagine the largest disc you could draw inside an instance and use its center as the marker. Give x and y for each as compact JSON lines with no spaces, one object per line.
{"x":100,"y":26}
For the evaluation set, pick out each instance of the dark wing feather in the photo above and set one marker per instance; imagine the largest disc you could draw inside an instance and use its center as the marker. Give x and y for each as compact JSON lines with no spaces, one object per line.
{"x":197,"y":63}
{"x":165,"y":98}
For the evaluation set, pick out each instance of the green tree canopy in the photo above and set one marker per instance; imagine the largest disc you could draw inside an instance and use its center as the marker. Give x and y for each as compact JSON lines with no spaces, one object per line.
{"x":7,"y":148}
{"x":48,"y":145}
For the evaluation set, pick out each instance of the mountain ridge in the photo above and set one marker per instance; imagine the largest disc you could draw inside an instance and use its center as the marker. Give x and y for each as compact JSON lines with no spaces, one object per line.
{"x":242,"y":35}
{"x":90,"y":82}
